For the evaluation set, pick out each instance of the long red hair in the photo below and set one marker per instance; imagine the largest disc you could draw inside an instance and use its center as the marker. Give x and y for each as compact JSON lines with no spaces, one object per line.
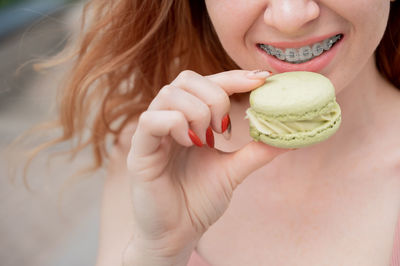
{"x":129,"y":49}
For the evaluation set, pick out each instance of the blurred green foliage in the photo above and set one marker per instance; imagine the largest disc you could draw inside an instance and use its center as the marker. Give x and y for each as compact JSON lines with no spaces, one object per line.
{"x":4,"y":3}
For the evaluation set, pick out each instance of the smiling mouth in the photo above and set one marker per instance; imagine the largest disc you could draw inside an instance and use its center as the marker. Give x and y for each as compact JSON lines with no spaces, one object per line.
{"x":302,"y":54}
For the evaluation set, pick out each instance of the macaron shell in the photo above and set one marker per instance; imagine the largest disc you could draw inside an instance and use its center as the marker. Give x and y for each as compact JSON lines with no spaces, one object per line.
{"x":292,"y":93}
{"x":293,"y":96}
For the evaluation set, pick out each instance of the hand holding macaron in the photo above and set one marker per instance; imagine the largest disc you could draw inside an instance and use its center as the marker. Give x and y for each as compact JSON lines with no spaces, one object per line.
{"x":181,"y":187}
{"x":178,"y":188}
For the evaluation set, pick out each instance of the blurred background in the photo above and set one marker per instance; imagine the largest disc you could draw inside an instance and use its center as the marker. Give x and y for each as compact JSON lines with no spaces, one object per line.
{"x":37,"y":227}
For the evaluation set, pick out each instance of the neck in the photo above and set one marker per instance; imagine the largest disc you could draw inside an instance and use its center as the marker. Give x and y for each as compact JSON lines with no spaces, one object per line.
{"x":359,"y":99}
{"x":361,"y":103}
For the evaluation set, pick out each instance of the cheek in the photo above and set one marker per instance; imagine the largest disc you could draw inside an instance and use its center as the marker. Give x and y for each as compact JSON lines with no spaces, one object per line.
{"x":231,"y":20}
{"x":367,"y":17}
{"x":367,"y":27}
{"x":373,"y":17}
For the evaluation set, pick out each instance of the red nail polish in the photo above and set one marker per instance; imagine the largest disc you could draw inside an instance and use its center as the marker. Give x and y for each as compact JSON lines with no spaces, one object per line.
{"x":195,"y":139}
{"x":226,"y":121}
{"x":210,"y":137}
{"x":227,"y":133}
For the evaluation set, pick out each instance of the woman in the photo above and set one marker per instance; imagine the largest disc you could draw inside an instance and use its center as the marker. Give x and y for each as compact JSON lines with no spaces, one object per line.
{"x":168,"y":201}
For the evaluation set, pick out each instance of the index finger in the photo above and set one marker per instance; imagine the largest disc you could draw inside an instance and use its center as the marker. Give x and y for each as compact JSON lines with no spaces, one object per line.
{"x":239,"y":81}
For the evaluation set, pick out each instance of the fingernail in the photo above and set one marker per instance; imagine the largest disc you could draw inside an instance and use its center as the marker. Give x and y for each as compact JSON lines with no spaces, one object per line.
{"x":225,"y":123}
{"x":226,"y":127}
{"x":210,"y":137}
{"x":258,"y":74}
{"x":195,"y":139}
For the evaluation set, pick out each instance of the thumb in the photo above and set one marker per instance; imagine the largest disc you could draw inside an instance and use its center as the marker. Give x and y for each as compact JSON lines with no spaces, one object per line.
{"x":249,"y":158}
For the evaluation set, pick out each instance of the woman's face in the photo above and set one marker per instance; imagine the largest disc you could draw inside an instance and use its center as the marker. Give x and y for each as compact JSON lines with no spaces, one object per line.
{"x":333,"y":37}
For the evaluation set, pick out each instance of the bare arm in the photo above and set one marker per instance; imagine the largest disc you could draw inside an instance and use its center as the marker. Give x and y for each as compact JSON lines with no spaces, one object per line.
{"x":116,"y":226}
{"x":117,"y":223}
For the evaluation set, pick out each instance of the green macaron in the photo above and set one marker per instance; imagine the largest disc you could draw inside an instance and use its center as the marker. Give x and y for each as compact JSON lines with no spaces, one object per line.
{"x":293,"y":110}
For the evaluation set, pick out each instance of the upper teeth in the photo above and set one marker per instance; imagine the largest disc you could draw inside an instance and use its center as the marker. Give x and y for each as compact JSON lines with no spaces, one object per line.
{"x":302,"y":54}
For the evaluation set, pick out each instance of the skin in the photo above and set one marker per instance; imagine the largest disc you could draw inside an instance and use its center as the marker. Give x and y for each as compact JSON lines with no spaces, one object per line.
{"x":335,"y":203}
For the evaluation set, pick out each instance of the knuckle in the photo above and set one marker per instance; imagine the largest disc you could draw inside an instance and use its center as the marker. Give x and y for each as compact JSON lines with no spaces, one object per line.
{"x":186,"y":75}
{"x":177,"y":118}
{"x":202,"y":114}
{"x":144,"y":119}
{"x":220,"y":99}
{"x":165,"y":91}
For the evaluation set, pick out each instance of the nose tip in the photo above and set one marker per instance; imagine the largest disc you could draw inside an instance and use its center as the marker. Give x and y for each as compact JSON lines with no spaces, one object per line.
{"x":288,"y":16}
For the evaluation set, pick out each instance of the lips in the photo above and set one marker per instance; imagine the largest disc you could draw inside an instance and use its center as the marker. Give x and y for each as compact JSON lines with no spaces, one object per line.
{"x":312,"y":55}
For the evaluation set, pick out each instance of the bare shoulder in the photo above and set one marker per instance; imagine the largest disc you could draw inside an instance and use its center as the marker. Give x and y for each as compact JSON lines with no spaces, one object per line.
{"x":116,"y":226}
{"x":387,"y":156}
{"x":386,"y":132}
{"x":120,"y":149}
{"x":123,"y":142}
{"x":393,"y":141}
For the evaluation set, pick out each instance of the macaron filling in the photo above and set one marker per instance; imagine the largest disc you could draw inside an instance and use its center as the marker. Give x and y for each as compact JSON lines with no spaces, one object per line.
{"x":293,"y":126}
